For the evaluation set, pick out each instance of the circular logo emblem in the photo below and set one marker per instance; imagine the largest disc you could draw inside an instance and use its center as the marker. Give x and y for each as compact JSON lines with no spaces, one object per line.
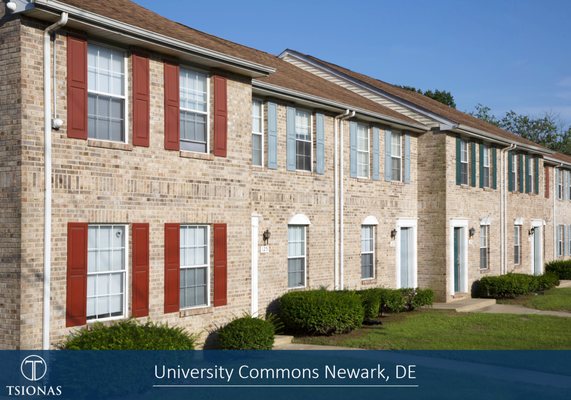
{"x":33,"y":368}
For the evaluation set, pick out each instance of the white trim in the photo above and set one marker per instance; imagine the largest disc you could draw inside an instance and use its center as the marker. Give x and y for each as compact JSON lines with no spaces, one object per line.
{"x":487,"y":221}
{"x":255,"y":265}
{"x":261,"y":133}
{"x":373,"y":251}
{"x":458,"y":223}
{"x":370,"y":220}
{"x":519,"y":221}
{"x":537,"y":224}
{"x":304,"y":227}
{"x":400,"y":135}
{"x":466,"y":162}
{"x":208,"y":267}
{"x":517,"y":228}
{"x":368,"y":151}
{"x":407,"y":223}
{"x":299,"y":219}
{"x":208,"y":99}
{"x":310,"y":141}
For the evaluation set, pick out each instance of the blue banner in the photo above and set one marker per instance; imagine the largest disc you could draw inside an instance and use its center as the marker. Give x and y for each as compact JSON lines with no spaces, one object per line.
{"x":277,"y":375}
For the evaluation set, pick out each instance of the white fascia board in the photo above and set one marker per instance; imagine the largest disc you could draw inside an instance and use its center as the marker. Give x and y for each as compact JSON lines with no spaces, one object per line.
{"x":554,"y":161}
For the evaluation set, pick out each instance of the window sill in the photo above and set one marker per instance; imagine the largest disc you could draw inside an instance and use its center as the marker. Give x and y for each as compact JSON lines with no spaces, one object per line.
{"x":488,"y":189}
{"x":297,"y":288}
{"x":191,"y":312}
{"x":197,"y":156}
{"x":103,"y":144}
{"x":485,"y":271}
{"x":369,"y":281}
{"x":303,"y":172}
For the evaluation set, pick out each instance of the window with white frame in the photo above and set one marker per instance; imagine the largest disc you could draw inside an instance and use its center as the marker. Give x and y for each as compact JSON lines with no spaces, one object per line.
{"x":303,"y":140}
{"x":193,"y":110}
{"x":257,"y":132}
{"x":484,"y":246}
{"x":367,"y":251}
{"x":513,"y":171}
{"x":517,"y":244}
{"x":363,"y":151}
{"x":296,"y":256}
{"x":520,"y":183}
{"x":530,"y":175}
{"x":486,"y":167}
{"x":194,"y":266}
{"x":560,"y":240}
{"x":106,"y":87}
{"x":569,"y":183}
{"x":463,"y":162}
{"x":560,"y":184}
{"x":396,"y":156}
{"x":106,"y":272}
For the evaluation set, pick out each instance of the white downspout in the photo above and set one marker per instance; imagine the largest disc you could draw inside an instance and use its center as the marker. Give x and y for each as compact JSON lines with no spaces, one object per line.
{"x":336,"y":207}
{"x":342,"y":204}
{"x":503,"y":206}
{"x":48,"y":178}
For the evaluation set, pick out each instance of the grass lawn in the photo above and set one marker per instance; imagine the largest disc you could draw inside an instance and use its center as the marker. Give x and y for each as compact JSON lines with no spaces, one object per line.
{"x":448,"y":330}
{"x":554,"y":300}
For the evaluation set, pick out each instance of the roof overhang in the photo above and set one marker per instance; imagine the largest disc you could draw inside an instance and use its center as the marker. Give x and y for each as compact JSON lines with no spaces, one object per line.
{"x":125,"y":34}
{"x":556,"y":162}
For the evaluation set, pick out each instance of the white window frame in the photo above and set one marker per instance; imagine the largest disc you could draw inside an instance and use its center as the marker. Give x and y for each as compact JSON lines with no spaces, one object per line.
{"x":398,"y":135}
{"x":517,"y":244}
{"x":530,"y":175}
{"x":560,"y":184}
{"x":373,"y":252}
{"x":464,"y":162}
{"x":298,"y":257}
{"x":125,"y":96}
{"x":561,"y":241}
{"x":487,"y":167}
{"x":485,"y":228}
{"x":569,"y":187}
{"x":207,"y":113}
{"x":261,"y":133}
{"x":207,"y":265}
{"x":367,"y":151}
{"x":513,"y":172}
{"x":126,"y":282}
{"x":310,"y":141}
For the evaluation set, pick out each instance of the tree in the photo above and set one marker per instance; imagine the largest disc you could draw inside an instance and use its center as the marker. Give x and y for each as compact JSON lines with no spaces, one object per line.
{"x":442,"y":96}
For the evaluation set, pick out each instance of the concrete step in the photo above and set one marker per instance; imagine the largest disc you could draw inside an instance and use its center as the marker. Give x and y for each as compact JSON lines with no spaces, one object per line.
{"x":282,"y":340}
{"x":564,"y":284}
{"x":465,"y":305}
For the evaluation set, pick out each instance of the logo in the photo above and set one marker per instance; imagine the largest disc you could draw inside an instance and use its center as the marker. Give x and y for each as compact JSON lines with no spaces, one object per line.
{"x":33,"y":368}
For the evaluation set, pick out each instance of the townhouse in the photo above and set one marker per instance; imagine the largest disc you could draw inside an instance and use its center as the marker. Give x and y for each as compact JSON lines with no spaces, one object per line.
{"x":150,"y":170}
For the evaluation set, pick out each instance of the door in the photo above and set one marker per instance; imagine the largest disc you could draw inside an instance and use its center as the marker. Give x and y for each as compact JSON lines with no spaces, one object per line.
{"x":458,"y":257}
{"x":406,"y":258}
{"x":537,"y":250}
{"x":254,"y":271}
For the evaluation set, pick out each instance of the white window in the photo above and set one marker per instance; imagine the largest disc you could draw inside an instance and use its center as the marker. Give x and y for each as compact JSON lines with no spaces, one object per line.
{"x":296,"y":259}
{"x":463,"y":162}
{"x":193,"y":110}
{"x":486,"y":168}
{"x":257,"y":132}
{"x":367,"y":251}
{"x":513,"y":172}
{"x":106,"y":87}
{"x":484,"y":246}
{"x":517,"y":244}
{"x":569,"y":182}
{"x":396,"y":156}
{"x":363,"y":151}
{"x":303,"y":140}
{"x":560,"y":185}
{"x":560,"y":240}
{"x":530,"y":175}
{"x":106,"y":272}
{"x":194,"y":266}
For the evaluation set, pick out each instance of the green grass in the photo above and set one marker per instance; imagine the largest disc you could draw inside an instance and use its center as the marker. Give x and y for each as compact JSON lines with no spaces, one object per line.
{"x":448,"y":330}
{"x":553,"y":300}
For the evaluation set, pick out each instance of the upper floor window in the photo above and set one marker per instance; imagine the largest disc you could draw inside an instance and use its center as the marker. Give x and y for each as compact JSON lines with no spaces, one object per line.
{"x":560,"y":187}
{"x":513,"y":171}
{"x":367,"y":251}
{"x":257,"y":132}
{"x":569,"y":184}
{"x":486,"y":167}
{"x":463,"y":162}
{"x":363,"y":151}
{"x":194,"y":266}
{"x":484,"y":246}
{"x":530,"y":175}
{"x":106,"y":86}
{"x":193,"y":110}
{"x":303,"y":141}
{"x":396,"y":156}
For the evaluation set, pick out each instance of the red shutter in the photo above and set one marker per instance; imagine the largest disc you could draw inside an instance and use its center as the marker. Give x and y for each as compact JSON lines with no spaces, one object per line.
{"x":76,"y":87}
{"x":546,"y":182}
{"x":220,"y":116}
{"x":220,"y":265}
{"x":76,"y":302}
{"x":172,"y":267}
{"x":172,"y":107}
{"x":140,"y":286}
{"x":141,"y":100}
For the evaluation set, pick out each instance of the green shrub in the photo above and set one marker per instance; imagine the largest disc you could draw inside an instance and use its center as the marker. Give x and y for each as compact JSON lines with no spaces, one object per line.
{"x":392,"y":301}
{"x":320,"y":312}
{"x":371,"y":300}
{"x":547,"y":281}
{"x":129,"y":335}
{"x":560,"y":268}
{"x":513,"y":285}
{"x":422,"y":298}
{"x":247,"y":333}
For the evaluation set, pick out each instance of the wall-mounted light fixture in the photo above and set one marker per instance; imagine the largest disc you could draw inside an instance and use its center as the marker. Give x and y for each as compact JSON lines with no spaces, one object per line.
{"x":266,"y":236}
{"x":11,"y":6}
{"x":531,"y":231}
{"x":393,"y":234}
{"x":472,"y":232}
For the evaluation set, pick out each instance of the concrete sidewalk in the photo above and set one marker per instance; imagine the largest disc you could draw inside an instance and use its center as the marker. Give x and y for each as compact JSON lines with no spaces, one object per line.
{"x":514,"y":309}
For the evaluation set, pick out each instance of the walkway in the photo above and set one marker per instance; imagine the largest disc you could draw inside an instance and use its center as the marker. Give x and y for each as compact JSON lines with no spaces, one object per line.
{"x":514,"y":309}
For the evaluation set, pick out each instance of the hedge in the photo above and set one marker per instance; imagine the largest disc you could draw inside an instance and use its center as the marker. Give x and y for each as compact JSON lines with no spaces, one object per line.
{"x":378,"y":300}
{"x":513,"y":285}
{"x":247,"y":333}
{"x":560,"y":268}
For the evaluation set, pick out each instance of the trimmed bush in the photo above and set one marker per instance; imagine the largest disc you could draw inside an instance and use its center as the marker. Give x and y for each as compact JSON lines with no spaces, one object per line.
{"x":560,"y":268}
{"x":247,"y":333}
{"x":547,"y":281}
{"x":392,"y":301}
{"x":422,"y":298}
{"x":129,"y":335}
{"x":371,"y":300}
{"x":513,"y":285}
{"x":320,"y":312}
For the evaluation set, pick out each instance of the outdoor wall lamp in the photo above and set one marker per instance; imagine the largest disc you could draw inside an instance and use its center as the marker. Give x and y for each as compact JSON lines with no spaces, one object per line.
{"x":472,"y":232}
{"x":11,"y":6}
{"x":393,"y":234}
{"x":531,"y":232}
{"x":266,"y":236}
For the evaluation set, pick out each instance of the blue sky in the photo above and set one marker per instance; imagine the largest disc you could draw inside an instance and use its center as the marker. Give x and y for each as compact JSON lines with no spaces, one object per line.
{"x":507,"y":54}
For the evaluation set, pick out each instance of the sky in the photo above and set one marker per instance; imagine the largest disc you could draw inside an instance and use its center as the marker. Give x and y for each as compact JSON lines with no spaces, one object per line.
{"x":505,"y":54}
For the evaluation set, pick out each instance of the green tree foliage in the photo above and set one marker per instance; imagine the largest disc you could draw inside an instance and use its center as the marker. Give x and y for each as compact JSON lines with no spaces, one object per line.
{"x":442,"y":96}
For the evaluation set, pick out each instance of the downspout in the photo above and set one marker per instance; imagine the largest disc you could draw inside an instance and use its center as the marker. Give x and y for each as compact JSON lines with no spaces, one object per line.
{"x":336,"y":207}
{"x":555,"y":194}
{"x":503,"y":206}
{"x":342,"y":203}
{"x":48,"y":177}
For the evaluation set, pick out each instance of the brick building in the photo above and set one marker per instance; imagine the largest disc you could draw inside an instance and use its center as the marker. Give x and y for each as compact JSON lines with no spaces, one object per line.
{"x":194,"y":179}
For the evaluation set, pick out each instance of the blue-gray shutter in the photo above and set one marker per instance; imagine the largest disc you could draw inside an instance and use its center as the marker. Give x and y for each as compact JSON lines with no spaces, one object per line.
{"x":290,"y":141}
{"x":320,"y":153}
{"x":353,"y":155}
{"x":376,"y":154}
{"x":388,"y":165}
{"x":407,"y":158}
{"x":272,"y":136}
{"x":527,"y":178}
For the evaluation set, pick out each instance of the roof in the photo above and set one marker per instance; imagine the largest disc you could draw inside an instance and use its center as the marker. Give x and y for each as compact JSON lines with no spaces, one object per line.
{"x":286,"y":75}
{"x":562,"y":157}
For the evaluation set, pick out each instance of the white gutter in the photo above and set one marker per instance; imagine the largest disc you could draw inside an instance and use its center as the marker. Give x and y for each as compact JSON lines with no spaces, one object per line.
{"x":342,"y":203}
{"x":48,"y":178}
{"x":503,"y":206}
{"x":336,"y":207}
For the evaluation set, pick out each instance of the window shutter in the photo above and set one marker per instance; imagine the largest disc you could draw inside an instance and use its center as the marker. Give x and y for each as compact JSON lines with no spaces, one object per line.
{"x":510,"y":168}
{"x":141,"y":100}
{"x":406,"y":158}
{"x":319,"y":125}
{"x":376,"y":154}
{"x":220,"y":265}
{"x":388,"y":159}
{"x":527,"y":180}
{"x":547,"y":183}
{"x":536,"y":175}
{"x":76,"y":88}
{"x":272,"y":136}
{"x":473,"y":164}
{"x":353,"y":148}
{"x":494,"y":168}
{"x":481,"y":165}
{"x":458,"y":161}
{"x":556,"y":186}
{"x":172,"y":268}
{"x":140,"y":257}
{"x":220,"y":116}
{"x":521,"y":173}
{"x":172,"y":106}
{"x":76,"y":298}
{"x":290,"y":133}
